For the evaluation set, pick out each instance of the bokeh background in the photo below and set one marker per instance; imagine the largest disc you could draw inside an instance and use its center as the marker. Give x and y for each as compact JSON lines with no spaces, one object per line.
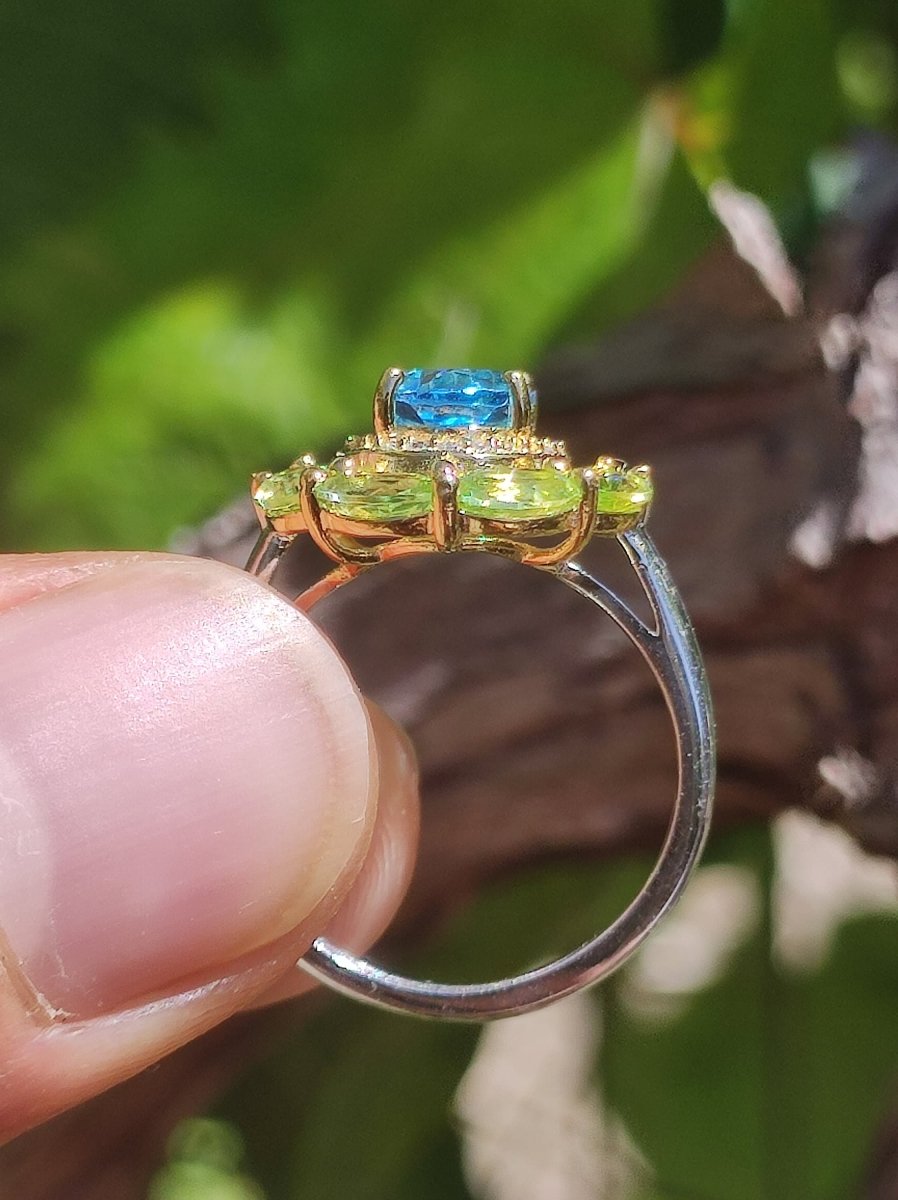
{"x":219,"y":222}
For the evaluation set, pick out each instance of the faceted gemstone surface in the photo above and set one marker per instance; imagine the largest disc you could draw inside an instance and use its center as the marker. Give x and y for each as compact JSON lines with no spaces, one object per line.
{"x":278,"y":495}
{"x":377,"y":496}
{"x":623,"y":492}
{"x":503,"y":493}
{"x":453,"y":399}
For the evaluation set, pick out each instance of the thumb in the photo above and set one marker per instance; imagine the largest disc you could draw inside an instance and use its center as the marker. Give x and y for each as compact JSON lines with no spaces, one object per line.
{"x":187,"y":791}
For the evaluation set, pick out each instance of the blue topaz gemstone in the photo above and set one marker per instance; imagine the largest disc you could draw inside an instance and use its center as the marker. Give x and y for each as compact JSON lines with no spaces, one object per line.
{"x":453,"y":399}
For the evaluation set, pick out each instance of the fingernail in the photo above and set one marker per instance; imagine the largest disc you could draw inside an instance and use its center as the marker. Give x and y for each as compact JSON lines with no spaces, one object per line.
{"x":184,"y":775}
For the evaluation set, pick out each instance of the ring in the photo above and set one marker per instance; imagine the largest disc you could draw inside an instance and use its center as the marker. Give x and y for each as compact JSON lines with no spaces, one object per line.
{"x":454,"y":464}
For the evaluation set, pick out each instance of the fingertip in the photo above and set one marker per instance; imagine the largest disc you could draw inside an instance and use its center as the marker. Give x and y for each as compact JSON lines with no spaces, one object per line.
{"x":188,"y":768}
{"x":190,"y":786}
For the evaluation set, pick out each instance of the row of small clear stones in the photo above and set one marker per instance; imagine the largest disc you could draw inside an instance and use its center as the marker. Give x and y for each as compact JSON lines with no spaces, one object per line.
{"x":461,"y":441}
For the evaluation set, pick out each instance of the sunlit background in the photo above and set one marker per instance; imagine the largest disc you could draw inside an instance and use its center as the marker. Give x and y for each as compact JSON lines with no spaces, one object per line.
{"x":219,"y":222}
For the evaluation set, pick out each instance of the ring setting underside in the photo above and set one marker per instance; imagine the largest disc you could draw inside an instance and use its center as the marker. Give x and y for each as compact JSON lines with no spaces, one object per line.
{"x":454,"y":464}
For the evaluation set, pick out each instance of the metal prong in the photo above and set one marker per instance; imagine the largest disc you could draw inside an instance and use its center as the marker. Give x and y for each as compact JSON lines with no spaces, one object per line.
{"x":523,"y":396}
{"x":311,"y":511}
{"x":608,"y":464}
{"x":445,"y":506}
{"x":383,"y":399}
{"x":644,"y":471}
{"x":254,"y":484}
{"x":582,"y":531}
{"x":587,"y":513}
{"x":267,"y":553}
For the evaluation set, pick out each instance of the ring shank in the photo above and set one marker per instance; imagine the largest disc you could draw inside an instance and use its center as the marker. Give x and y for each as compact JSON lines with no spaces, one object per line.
{"x":673,"y":656}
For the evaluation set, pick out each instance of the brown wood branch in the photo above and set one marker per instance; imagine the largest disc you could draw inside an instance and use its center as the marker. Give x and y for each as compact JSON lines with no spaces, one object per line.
{"x":538,"y":729}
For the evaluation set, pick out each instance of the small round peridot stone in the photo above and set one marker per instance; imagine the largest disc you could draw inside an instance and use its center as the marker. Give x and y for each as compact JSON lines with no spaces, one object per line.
{"x":624,"y":492}
{"x":278,"y":495}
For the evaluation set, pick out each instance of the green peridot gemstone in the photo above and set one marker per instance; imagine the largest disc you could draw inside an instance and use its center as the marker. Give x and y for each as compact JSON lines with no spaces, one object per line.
{"x":376,"y":496}
{"x":504,"y":493}
{"x":278,"y":495}
{"x":623,"y":492}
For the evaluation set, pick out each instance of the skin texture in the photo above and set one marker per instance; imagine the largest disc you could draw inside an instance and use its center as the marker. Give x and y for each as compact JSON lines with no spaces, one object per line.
{"x":191,"y":789}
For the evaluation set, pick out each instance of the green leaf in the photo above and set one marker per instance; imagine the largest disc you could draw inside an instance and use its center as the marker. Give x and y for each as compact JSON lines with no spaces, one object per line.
{"x":786,"y":103}
{"x":82,"y":84}
{"x":383,"y":1102}
{"x":768,"y":1083}
{"x":358,"y":1102}
{"x":677,"y":227}
{"x":354,"y":1103}
{"x":839,"y":1045}
{"x":691,"y":32}
{"x":438,"y":1175}
{"x":240,"y":386}
{"x":692,"y":1093}
{"x":386,"y":187}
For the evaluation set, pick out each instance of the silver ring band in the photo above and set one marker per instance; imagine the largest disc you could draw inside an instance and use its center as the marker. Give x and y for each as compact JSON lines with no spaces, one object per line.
{"x":672,"y":654}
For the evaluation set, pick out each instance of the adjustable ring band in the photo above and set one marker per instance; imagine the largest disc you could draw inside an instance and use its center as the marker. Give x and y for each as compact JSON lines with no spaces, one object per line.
{"x":454,"y":483}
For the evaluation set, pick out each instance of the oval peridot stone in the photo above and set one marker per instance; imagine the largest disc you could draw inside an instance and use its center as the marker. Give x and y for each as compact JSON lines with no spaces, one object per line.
{"x":278,"y":495}
{"x":377,"y":496}
{"x":623,"y":492}
{"x":505,"y":493}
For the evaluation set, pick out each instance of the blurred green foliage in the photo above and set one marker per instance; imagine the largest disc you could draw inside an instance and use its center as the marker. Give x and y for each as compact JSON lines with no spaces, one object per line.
{"x":218,"y":223}
{"x":764,"y":1082}
{"x":770,"y":1081}
{"x":204,"y":1158}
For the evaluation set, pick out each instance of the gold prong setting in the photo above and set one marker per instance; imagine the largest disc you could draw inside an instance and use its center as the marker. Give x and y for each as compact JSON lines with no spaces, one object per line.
{"x":523,"y":398}
{"x":445,"y":524}
{"x":403,"y":490}
{"x":383,"y":399}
